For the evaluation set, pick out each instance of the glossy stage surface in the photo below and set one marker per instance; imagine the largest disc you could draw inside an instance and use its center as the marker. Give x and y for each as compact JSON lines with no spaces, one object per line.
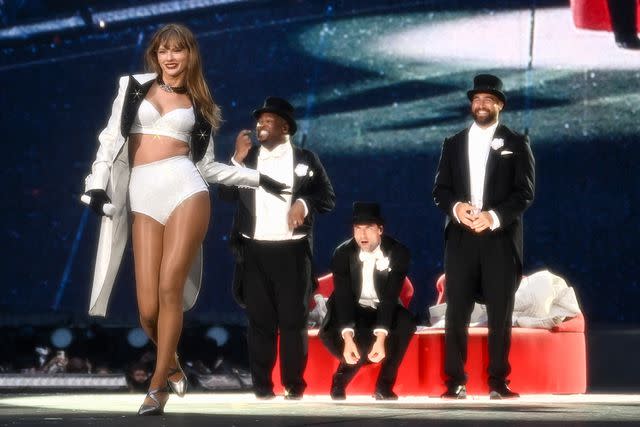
{"x":220,"y":409}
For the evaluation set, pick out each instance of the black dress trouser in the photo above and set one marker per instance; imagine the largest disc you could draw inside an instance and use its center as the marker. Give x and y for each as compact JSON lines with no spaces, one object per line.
{"x":479,"y":267}
{"x":402,"y":328}
{"x":276,"y":286}
{"x":623,"y":19}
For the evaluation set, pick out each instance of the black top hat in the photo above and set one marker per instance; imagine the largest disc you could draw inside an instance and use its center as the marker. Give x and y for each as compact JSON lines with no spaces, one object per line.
{"x":367,"y":213}
{"x":282,"y":108}
{"x":487,"y":83}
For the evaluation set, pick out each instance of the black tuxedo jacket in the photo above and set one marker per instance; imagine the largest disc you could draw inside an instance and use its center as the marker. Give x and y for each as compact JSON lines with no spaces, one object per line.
{"x":314,"y":187}
{"x":347,"y":279}
{"x":136,"y":92}
{"x":508,"y":187}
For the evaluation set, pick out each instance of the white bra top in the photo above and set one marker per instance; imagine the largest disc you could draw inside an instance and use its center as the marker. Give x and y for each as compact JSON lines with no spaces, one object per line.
{"x":177,"y":123}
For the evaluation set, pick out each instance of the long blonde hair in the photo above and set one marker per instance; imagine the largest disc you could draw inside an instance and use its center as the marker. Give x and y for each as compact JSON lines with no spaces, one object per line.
{"x":176,"y":35}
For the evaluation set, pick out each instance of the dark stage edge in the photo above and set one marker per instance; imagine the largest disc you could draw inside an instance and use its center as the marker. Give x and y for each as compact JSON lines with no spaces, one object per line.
{"x":217,"y":409}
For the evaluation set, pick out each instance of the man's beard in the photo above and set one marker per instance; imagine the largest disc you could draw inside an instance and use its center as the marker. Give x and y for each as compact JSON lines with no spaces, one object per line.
{"x":484,"y":120}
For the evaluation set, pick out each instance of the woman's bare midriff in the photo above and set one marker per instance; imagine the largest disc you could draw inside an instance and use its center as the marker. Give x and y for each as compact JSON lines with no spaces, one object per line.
{"x":145,"y":148}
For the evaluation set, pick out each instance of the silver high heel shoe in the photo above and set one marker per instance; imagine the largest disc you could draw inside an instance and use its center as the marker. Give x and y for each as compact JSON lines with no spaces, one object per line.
{"x":157,"y":407}
{"x":179,"y":387}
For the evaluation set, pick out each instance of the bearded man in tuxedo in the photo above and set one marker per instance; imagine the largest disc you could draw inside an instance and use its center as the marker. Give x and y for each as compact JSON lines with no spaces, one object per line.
{"x":484,"y":183}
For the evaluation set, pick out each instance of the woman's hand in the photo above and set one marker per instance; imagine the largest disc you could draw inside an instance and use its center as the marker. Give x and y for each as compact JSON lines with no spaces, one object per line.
{"x":98,"y":199}
{"x":274,"y":187}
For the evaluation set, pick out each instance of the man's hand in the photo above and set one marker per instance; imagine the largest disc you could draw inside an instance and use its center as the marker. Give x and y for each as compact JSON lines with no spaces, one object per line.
{"x":464,"y":212}
{"x":295,"y":218}
{"x":350,"y":352}
{"x":376,"y":354}
{"x":243,"y":144}
{"x":483,"y":221}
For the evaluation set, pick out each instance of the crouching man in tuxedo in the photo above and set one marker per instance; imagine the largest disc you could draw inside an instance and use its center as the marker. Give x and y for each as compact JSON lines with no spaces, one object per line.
{"x":365,"y":322}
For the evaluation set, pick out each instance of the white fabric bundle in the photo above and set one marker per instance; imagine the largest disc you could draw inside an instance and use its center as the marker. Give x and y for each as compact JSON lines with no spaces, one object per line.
{"x":544,"y":300}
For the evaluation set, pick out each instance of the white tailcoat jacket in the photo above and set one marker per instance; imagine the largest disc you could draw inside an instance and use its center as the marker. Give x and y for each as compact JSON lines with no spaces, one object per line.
{"x":110,"y":172}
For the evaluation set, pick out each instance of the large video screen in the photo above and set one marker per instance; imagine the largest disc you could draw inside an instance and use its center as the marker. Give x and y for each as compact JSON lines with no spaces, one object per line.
{"x":377,"y":86}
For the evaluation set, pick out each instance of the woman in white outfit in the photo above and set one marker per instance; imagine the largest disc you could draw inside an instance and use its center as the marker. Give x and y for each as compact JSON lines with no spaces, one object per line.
{"x":157,"y":149}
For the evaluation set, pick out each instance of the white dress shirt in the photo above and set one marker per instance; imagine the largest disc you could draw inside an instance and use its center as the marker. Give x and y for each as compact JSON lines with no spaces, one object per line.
{"x":478,"y":153}
{"x":271,"y":212}
{"x":368,"y":294}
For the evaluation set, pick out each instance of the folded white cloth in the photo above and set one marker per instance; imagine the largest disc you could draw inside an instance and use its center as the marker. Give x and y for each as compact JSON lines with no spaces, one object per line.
{"x":544,"y":300}
{"x":319,"y":311}
{"x":478,"y":315}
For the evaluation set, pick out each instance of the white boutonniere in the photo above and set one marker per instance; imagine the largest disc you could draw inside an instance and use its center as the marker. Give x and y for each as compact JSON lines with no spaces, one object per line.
{"x":382,"y":264}
{"x":301,"y":169}
{"x":497,"y":143}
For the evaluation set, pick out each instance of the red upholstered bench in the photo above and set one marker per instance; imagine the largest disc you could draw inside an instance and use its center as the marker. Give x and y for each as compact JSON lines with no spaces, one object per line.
{"x":542,"y":361}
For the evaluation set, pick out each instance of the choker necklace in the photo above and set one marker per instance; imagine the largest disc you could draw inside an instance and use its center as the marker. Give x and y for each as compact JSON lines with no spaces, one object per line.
{"x":170,"y":89}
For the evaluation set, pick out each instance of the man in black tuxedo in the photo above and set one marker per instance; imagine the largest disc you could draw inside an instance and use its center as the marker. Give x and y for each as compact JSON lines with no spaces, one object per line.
{"x":272,"y":241}
{"x":365,"y":321}
{"x":484,"y":183}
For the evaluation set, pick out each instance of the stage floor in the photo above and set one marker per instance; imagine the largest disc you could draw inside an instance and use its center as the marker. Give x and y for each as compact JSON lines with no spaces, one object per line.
{"x":218,"y":409}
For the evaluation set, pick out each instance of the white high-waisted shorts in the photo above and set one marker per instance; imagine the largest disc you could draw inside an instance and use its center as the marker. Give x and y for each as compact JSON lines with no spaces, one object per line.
{"x":157,"y":188}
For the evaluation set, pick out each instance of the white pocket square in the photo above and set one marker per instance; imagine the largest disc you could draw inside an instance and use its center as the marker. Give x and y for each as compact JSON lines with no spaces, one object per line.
{"x":506,"y":153}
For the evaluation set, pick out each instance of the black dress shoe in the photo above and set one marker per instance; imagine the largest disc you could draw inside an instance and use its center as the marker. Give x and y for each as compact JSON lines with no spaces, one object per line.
{"x":381,"y":394}
{"x":632,"y":43}
{"x":338,"y":393}
{"x":341,"y":379}
{"x":455,"y":392}
{"x":264,"y":394}
{"x":293,"y":394}
{"x":502,"y":392}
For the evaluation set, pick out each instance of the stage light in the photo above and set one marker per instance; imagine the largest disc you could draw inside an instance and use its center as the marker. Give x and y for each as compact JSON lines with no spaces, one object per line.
{"x":156,"y":9}
{"x":114,"y":16}
{"x":23,"y":32}
{"x":137,"y":338}
{"x":61,"y":337}
{"x":219,"y":334}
